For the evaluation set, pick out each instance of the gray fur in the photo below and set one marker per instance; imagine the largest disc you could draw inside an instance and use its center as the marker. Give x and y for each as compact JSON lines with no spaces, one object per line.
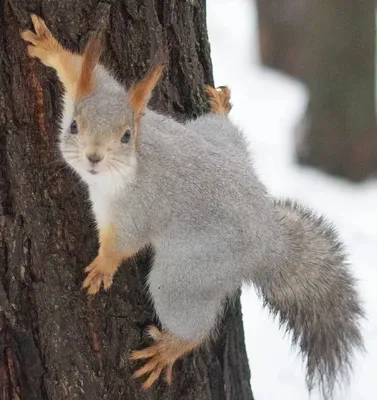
{"x":193,"y":194}
{"x":314,"y":295}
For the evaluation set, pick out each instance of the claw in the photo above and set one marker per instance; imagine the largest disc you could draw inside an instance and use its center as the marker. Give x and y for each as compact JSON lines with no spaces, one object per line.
{"x":142,"y":354}
{"x":150,"y":366}
{"x":152,"y":377}
{"x":40,"y":26}
{"x":30,"y":37}
{"x":42,"y":33}
{"x":99,"y":271}
{"x":169,"y":374}
{"x":162,"y":354}
{"x":89,"y":267}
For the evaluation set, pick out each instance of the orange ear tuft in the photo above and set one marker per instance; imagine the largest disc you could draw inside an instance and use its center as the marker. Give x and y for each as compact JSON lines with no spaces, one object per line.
{"x":140,"y":93}
{"x":91,"y":56}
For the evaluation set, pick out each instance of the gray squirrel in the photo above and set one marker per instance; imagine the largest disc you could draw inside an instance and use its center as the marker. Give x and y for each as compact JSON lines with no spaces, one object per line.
{"x":191,"y":192}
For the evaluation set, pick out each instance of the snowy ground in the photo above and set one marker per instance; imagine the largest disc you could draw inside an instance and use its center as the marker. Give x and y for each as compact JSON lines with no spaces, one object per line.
{"x":267,"y":106}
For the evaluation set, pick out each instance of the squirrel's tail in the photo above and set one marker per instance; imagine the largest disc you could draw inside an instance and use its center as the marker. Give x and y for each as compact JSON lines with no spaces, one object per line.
{"x":313,"y":295}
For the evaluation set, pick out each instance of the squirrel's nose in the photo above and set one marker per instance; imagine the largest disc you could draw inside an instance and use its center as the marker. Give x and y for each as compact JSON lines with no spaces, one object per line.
{"x":94,"y":158}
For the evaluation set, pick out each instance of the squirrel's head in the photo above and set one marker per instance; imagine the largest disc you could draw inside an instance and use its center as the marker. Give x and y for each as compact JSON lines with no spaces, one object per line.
{"x":100,"y":135}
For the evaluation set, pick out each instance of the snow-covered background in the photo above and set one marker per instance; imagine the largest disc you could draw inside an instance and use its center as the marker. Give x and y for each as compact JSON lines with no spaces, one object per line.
{"x":267,"y":105}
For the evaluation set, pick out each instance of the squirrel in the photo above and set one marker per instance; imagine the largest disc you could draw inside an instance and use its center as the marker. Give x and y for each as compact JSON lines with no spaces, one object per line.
{"x":190,"y":190}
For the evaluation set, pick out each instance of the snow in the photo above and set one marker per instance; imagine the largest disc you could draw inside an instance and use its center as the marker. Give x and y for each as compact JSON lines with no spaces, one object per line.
{"x":267,"y":106}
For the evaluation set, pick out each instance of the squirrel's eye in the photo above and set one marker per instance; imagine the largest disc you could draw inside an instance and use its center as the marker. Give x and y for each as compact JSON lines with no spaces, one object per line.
{"x":126,"y":137}
{"x":74,"y":128}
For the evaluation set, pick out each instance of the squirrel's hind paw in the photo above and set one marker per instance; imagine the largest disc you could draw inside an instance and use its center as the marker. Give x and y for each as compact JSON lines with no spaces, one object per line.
{"x":163,"y":354}
{"x":219,"y":99}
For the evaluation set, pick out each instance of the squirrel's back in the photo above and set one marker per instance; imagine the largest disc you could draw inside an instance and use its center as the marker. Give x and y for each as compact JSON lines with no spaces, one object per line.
{"x":187,"y":188}
{"x":219,"y":130}
{"x":202,"y":181}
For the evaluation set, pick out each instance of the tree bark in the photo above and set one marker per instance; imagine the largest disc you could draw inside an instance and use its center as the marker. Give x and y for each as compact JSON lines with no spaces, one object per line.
{"x":283,"y":35}
{"x":55,"y":342}
{"x":330,"y":45}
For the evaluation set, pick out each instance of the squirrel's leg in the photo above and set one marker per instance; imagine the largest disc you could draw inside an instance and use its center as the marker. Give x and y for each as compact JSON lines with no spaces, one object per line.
{"x":51,"y":53}
{"x":219,"y":99}
{"x":187,"y":300}
{"x":163,"y":354}
{"x":104,"y":266}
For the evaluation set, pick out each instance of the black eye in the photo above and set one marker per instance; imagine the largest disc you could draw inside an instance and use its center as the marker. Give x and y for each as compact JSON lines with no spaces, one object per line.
{"x":74,"y":128}
{"x":126,"y":137}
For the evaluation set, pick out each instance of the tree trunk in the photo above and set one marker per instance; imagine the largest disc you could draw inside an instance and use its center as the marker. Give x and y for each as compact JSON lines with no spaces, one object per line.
{"x":330,"y":45}
{"x":55,"y":342}
{"x":283,"y":35}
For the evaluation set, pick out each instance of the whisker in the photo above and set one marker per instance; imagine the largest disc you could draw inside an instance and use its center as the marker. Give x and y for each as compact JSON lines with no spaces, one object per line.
{"x":53,"y":162}
{"x":71,"y":159}
{"x":80,"y":182}
{"x":122,"y":162}
{"x":112,"y":177}
{"x":70,"y":151}
{"x":120,"y":172}
{"x":57,"y":172}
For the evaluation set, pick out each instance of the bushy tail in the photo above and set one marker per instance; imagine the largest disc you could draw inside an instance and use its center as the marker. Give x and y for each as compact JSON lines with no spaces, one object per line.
{"x":313,"y":294}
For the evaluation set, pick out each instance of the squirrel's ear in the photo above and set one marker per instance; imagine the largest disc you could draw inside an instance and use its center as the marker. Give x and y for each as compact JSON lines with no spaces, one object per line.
{"x":90,"y":59}
{"x":140,"y":93}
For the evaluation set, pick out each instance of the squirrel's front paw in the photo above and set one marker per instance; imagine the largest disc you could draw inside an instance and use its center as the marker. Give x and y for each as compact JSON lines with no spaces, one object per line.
{"x":99,"y":271}
{"x":43,"y":43}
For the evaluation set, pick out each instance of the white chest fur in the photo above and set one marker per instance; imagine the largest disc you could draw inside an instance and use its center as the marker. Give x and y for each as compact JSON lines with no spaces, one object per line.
{"x":102,"y":197}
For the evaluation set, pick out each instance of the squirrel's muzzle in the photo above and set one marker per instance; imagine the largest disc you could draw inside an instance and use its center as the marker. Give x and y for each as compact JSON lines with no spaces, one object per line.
{"x":94,"y":158}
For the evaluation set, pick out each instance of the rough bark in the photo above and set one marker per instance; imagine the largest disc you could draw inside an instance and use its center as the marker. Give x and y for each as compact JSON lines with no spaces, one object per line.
{"x":55,"y":342}
{"x":330,"y":45}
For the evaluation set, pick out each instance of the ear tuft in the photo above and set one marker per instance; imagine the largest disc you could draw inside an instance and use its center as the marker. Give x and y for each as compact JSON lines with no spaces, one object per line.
{"x":91,"y":56}
{"x":140,"y":93}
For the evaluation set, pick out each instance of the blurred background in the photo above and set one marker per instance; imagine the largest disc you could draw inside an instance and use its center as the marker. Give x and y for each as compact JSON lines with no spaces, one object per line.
{"x":303,"y":80}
